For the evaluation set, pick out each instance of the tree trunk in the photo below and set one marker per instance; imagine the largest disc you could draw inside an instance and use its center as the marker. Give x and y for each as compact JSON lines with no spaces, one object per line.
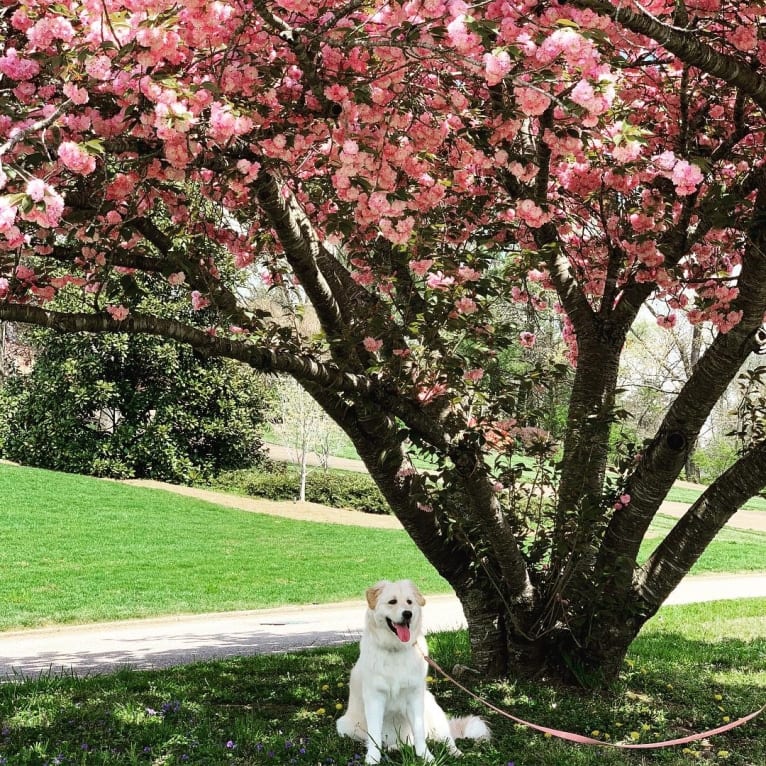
{"x":304,"y":471}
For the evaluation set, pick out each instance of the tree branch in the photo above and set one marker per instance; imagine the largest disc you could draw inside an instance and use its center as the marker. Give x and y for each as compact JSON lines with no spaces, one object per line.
{"x":666,"y":454}
{"x":34,"y":127}
{"x":685,"y":45}
{"x":686,"y":542}
{"x":271,"y":360}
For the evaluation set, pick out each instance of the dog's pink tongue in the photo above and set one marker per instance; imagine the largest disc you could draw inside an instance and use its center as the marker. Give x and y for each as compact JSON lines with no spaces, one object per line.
{"x":402,"y":632}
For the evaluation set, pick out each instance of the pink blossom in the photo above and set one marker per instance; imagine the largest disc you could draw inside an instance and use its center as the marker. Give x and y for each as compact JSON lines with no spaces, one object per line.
{"x":496,"y":67}
{"x":531,"y":101}
{"x":99,"y":68}
{"x":460,"y":37}
{"x":76,"y":158}
{"x":372,"y":345}
{"x":474,"y":375}
{"x":20,"y":19}
{"x":427,"y":394}
{"x":686,"y":177}
{"x":49,"y":214}
{"x":17,"y":68}
{"x":439,"y":281}
{"x":527,"y":339}
{"x":76,"y":95}
{"x":118,"y":313}
{"x":177,"y":278}
{"x":399,"y":233}
{"x":466,"y":305}
{"x":25,"y":273}
{"x":336,"y":92}
{"x":665,"y":161}
{"x":4,"y":287}
{"x":49,"y":28}
{"x":363,"y":277}
{"x":44,"y":294}
{"x":744,"y":37}
{"x":36,"y":189}
{"x":533,"y":215}
{"x":627,"y":151}
{"x":199,"y":301}
{"x":593,"y":100}
{"x":421,"y":267}
{"x":467,"y":274}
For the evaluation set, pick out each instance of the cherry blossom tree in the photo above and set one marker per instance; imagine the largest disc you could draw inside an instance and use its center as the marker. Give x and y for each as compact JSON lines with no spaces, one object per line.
{"x":405,"y":167}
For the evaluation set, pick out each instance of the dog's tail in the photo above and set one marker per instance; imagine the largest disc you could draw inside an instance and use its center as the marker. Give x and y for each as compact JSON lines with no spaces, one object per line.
{"x":469,"y":727}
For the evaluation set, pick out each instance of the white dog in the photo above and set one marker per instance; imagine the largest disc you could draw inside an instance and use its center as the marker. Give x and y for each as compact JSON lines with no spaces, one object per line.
{"x":388,"y":702}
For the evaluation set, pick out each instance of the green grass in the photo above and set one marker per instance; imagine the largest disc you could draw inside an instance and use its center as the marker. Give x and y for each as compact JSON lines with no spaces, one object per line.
{"x":690,"y":667}
{"x":734,"y":550}
{"x":688,"y":496}
{"x":77,"y":549}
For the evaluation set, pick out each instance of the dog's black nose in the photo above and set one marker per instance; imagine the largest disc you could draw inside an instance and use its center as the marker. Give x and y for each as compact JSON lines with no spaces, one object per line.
{"x":406,"y":614}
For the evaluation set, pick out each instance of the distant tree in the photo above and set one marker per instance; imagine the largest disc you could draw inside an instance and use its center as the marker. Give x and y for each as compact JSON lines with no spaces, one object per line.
{"x":304,"y":427}
{"x":133,"y":406}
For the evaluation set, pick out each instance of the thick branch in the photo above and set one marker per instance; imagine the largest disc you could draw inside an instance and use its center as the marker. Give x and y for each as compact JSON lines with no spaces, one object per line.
{"x":303,"y":368}
{"x":685,"y":45}
{"x":261,"y":358}
{"x":684,"y":544}
{"x":302,"y":248}
{"x":665,"y":456}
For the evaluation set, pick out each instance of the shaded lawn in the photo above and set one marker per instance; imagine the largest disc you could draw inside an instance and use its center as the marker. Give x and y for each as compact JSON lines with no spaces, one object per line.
{"x":690,"y":668}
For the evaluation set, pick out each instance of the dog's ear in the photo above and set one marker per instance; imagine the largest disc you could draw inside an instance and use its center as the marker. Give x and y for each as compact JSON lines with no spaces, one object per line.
{"x":419,"y":599}
{"x":373,"y":593}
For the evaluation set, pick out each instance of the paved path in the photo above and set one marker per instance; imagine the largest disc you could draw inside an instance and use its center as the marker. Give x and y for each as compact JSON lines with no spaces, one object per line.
{"x":154,"y":643}
{"x":287,"y":509}
{"x":741,"y":519}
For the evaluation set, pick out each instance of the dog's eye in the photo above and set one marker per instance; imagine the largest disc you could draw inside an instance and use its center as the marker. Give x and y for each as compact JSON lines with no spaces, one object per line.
{"x":392,"y":601}
{"x":409,"y":601}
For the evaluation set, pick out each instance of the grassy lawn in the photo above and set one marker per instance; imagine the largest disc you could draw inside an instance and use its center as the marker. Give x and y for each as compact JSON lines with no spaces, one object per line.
{"x":77,"y":549}
{"x":688,"y":496}
{"x":691,"y":667}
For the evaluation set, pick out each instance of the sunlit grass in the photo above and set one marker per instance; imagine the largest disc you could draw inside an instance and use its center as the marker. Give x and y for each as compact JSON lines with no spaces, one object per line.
{"x":77,"y":549}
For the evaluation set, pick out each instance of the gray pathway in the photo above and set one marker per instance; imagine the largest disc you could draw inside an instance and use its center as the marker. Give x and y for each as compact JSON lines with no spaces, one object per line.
{"x":154,"y":643}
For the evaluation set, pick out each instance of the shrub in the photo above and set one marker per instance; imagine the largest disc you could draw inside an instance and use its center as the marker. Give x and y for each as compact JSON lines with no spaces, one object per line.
{"x":131,"y":406}
{"x":338,"y":489}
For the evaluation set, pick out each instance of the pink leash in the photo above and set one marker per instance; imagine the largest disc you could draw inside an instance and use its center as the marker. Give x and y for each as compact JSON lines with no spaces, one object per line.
{"x":580,"y":739}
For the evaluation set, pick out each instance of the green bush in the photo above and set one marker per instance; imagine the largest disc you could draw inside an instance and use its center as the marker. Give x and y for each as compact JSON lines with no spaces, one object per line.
{"x":129,"y":406}
{"x":338,"y":489}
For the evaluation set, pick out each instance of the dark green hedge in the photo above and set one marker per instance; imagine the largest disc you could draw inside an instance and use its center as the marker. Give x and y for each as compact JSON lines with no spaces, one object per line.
{"x":338,"y":489}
